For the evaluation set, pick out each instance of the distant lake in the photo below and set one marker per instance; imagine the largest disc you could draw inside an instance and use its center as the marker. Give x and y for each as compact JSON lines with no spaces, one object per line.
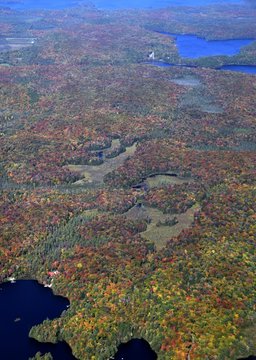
{"x":23,"y":304}
{"x":113,"y":4}
{"x":193,"y":47}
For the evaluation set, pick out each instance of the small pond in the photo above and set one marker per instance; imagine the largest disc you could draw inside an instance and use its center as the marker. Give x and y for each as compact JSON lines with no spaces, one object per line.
{"x":24,"y":304}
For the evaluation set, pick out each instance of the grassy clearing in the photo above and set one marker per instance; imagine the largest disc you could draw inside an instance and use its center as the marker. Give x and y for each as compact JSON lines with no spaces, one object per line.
{"x":163,"y":180}
{"x":161,"y":234}
{"x":96,"y":173}
{"x":198,"y":98}
{"x":187,"y":81}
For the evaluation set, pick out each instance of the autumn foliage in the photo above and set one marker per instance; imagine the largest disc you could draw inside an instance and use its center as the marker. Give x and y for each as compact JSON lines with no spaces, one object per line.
{"x":83,"y":85}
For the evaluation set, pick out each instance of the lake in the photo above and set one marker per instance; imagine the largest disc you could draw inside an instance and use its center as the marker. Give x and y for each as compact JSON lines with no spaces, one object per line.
{"x":113,"y":4}
{"x":194,"y":47}
{"x":24,"y":304}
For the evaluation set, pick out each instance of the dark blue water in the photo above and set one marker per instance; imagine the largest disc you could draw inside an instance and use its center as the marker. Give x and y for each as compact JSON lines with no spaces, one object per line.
{"x":135,"y":349}
{"x":114,"y":4}
{"x":193,"y":47}
{"x":22,"y":305}
{"x":240,"y":68}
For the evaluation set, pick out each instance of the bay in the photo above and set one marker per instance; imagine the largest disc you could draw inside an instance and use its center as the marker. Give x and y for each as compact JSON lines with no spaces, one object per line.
{"x":24,"y":304}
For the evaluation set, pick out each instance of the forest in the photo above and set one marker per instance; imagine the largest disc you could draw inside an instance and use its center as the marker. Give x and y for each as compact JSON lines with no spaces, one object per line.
{"x":85,"y":122}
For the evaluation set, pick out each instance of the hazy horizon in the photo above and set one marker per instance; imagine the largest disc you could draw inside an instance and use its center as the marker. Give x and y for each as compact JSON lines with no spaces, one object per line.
{"x":114,"y":4}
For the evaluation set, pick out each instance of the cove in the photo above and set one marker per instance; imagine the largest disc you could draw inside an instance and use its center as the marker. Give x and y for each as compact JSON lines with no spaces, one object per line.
{"x":193,"y":47}
{"x":135,"y":349}
{"x":24,"y":304}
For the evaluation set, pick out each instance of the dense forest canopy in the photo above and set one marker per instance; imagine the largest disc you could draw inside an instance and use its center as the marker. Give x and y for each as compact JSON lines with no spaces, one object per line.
{"x":130,"y":188}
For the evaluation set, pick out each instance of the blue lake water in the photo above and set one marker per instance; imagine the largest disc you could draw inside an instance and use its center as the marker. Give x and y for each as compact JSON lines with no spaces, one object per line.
{"x":193,"y":47}
{"x":24,"y":304}
{"x":114,"y":4}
